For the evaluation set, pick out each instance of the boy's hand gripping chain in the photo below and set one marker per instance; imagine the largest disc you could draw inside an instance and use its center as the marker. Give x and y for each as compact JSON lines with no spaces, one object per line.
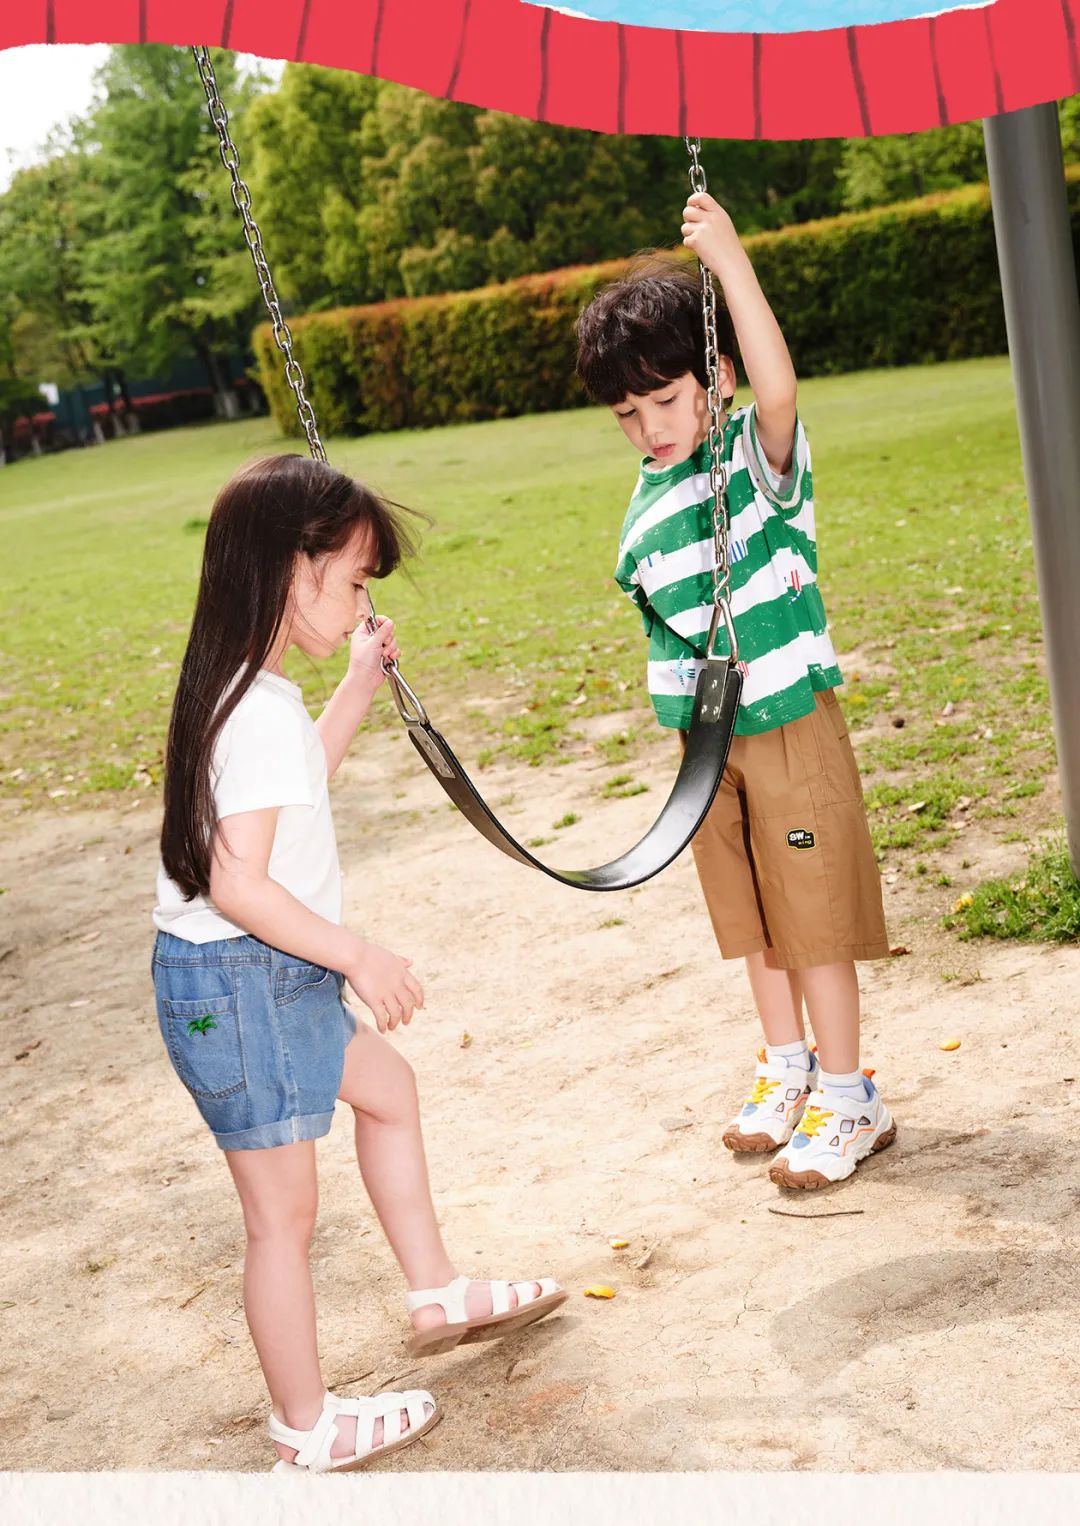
{"x":719,"y":685}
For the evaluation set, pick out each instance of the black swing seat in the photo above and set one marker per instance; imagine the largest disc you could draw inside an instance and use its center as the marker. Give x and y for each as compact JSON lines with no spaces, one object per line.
{"x":708,"y":742}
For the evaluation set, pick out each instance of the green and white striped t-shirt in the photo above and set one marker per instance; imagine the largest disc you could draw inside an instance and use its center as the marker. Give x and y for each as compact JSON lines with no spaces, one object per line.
{"x":665,"y":566}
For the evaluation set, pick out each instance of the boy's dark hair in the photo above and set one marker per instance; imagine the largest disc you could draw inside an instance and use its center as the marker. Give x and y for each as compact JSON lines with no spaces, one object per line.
{"x":645,"y":330}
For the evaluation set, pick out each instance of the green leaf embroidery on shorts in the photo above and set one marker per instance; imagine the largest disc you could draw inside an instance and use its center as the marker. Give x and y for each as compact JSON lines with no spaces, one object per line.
{"x":201,"y":1024}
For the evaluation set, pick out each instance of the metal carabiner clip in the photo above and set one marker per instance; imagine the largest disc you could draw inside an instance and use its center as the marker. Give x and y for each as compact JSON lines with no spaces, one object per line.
{"x":408,"y":702}
{"x":721,"y":608}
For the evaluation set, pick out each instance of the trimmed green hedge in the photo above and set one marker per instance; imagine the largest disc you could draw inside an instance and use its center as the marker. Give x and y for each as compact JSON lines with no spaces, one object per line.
{"x":899,"y":285}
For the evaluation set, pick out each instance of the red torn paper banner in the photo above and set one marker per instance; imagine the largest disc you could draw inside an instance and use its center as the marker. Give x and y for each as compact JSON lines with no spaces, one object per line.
{"x":545,"y":64}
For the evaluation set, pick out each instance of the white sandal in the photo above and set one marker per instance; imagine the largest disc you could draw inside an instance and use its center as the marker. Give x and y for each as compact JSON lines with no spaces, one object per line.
{"x":460,"y":1330}
{"x":313,"y":1446}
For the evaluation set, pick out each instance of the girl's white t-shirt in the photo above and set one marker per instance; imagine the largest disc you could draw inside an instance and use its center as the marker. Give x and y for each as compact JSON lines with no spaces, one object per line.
{"x":268,"y":754}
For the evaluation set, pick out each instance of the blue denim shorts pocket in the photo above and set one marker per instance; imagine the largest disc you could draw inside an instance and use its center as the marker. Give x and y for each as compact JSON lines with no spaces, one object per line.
{"x":291,"y":981}
{"x":203,"y":1039}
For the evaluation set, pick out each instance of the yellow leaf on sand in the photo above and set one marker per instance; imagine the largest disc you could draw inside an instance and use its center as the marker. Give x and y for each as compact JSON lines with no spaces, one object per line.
{"x":950,"y":1044}
{"x":600,"y":1292}
{"x":465,"y":1041}
{"x":618,"y":1244}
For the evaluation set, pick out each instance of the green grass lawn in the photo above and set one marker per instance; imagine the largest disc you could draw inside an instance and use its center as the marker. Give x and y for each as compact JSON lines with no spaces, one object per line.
{"x":512,"y":628}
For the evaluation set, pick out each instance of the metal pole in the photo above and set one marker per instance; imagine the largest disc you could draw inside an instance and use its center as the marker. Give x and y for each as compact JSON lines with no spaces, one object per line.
{"x":1042,"y":319}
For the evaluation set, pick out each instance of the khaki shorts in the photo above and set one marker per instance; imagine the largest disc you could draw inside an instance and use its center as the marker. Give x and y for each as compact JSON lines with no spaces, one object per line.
{"x":784,"y":855}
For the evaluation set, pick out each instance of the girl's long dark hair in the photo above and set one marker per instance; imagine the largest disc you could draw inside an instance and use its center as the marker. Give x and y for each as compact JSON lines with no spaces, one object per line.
{"x":271,"y":511}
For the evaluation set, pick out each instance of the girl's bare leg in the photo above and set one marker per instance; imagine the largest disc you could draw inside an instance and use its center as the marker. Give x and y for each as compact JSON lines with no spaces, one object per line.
{"x":279,"y":1196}
{"x":379,"y":1085}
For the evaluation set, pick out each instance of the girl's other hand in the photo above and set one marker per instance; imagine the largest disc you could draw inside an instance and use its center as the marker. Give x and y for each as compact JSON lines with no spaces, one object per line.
{"x":369,"y":650}
{"x":383,"y":983}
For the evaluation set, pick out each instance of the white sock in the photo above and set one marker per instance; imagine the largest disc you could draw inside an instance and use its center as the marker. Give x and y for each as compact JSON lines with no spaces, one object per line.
{"x":792,"y":1054}
{"x":852,"y":1084}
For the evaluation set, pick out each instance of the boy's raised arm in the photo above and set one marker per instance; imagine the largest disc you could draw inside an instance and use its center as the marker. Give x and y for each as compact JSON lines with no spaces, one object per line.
{"x":708,"y":230}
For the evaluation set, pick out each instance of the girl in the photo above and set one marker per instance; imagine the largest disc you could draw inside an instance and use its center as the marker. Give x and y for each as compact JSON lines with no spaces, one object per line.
{"x":251,"y":958}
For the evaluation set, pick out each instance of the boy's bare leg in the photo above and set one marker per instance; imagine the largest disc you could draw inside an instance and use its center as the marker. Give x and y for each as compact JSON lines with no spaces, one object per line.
{"x":832,"y":1002}
{"x":859,"y":1122}
{"x":778,"y":1098}
{"x":778,"y":996}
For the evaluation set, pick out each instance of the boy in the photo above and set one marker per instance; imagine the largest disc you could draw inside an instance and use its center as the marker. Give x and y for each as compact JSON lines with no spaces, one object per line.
{"x":784,"y":856}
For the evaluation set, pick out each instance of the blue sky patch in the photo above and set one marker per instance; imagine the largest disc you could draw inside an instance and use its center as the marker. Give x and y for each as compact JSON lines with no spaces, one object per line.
{"x":756,"y":15}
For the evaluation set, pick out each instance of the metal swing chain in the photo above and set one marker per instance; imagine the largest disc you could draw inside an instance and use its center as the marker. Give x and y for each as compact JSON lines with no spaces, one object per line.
{"x":241,"y":196}
{"x":408,"y":703}
{"x":718,"y":472}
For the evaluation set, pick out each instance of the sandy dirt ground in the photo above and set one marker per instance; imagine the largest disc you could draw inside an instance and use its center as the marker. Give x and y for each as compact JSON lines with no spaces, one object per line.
{"x":927,"y":1323}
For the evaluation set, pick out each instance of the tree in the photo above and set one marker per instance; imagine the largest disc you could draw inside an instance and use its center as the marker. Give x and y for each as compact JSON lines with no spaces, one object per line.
{"x":466,"y":196}
{"x":367,"y":189}
{"x":38,"y":262}
{"x":762,"y":184}
{"x":166,"y":276}
{"x":1069,"y":117}
{"x":515,"y":196}
{"x":876,"y":171}
{"x":300,"y":155}
{"x":19,"y":397}
{"x":47,"y":223}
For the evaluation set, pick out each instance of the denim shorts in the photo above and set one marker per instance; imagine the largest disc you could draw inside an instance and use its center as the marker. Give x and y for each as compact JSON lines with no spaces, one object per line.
{"x":257,"y":1036}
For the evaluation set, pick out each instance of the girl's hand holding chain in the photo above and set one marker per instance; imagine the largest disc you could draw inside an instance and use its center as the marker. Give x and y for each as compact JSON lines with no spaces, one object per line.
{"x":368,"y":651}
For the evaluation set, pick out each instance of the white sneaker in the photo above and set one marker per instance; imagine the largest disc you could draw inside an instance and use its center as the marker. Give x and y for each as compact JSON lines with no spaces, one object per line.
{"x":773,"y":1108}
{"x":834,"y":1134}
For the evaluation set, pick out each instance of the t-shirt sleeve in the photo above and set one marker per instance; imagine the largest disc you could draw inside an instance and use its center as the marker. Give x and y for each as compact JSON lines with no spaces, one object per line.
{"x":626,"y":575}
{"x":260,"y":759}
{"x":786,"y":491}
